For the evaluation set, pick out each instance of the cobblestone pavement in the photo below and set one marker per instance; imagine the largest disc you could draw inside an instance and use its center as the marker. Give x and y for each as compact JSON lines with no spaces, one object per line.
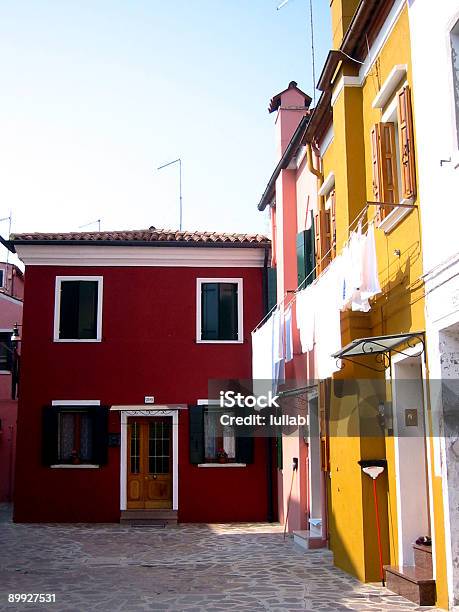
{"x":194,"y":568}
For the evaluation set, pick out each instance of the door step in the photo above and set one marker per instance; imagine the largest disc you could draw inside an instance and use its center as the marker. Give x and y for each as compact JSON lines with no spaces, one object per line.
{"x":141,"y":518}
{"x":308,"y":541}
{"x":413,"y":583}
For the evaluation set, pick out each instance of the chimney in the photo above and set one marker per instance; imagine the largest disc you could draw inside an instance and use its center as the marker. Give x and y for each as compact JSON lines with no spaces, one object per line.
{"x":342,"y":12}
{"x":291,"y":105}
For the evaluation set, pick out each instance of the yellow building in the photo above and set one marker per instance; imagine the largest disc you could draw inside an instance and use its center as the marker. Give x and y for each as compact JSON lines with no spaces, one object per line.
{"x":364,"y":130}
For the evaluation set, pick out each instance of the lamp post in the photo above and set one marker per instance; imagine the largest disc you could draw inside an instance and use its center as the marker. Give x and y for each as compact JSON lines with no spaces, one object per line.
{"x":179,"y":162}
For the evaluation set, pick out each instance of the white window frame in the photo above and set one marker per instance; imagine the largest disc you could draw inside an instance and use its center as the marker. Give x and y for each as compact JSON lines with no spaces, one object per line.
{"x":79,"y":466}
{"x":240,"y":310}
{"x":57,"y":307}
{"x":6,"y":330}
{"x":234,"y":464}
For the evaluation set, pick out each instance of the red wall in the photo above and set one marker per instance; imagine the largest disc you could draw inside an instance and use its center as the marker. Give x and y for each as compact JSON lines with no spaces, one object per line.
{"x":149,"y":348}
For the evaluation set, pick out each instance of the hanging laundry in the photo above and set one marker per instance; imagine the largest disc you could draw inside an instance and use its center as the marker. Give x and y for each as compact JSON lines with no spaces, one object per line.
{"x":278,"y":366}
{"x":288,"y":334}
{"x":262,"y":351}
{"x":370,"y":280}
{"x":327,"y":321}
{"x":305,"y":313}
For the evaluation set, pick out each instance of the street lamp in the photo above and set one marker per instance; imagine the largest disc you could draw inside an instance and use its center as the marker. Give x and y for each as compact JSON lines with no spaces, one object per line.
{"x":179,"y":161}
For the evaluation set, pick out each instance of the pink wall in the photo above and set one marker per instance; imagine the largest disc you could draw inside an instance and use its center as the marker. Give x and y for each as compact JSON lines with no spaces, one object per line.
{"x":13,"y":280}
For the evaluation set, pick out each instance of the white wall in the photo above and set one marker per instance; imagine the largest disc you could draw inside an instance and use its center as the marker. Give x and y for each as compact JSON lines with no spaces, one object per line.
{"x":435,"y":125}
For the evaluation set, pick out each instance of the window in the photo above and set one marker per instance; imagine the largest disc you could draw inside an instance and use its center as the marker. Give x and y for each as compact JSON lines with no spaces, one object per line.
{"x":6,"y":351}
{"x":211,"y":442}
{"x":78,"y":310}
{"x":2,"y":277}
{"x":392,"y":155}
{"x":219,"y":440}
{"x":75,"y":435}
{"x":219,"y":310}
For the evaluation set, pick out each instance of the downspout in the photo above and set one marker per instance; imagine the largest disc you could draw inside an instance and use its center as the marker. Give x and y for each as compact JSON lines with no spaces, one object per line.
{"x":269,"y":446}
{"x":316,"y":173}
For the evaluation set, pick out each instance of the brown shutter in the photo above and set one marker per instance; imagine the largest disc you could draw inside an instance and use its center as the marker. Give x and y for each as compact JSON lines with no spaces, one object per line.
{"x":405,"y":130}
{"x":322,"y":239}
{"x":389,"y":191}
{"x":375,"y":161}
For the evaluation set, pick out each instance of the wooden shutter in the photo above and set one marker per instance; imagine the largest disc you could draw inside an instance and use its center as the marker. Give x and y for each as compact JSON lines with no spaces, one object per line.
{"x":309,"y":255}
{"x":324,"y":411}
{"x":389,"y":186}
{"x":244,"y":438}
{"x":272,"y":288}
{"x":333,"y":225}
{"x":322,"y":239}
{"x":405,"y":131}
{"x":375,"y":140}
{"x":279,"y":452}
{"x":100,"y":434}
{"x":196,"y":414}
{"x":49,"y":435}
{"x":300,"y":258}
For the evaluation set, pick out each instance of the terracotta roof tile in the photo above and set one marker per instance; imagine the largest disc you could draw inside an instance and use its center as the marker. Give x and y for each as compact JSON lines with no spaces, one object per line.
{"x":146,"y":235}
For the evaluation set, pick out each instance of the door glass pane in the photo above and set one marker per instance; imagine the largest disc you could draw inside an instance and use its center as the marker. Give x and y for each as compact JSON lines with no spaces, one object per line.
{"x":158,"y":447}
{"x":135,"y":448}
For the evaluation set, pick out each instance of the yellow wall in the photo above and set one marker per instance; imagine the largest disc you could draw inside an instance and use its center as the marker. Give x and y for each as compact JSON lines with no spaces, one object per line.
{"x":400,"y":308}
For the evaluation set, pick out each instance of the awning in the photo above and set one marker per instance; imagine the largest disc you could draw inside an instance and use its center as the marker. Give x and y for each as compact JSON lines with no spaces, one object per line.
{"x":381,"y":347}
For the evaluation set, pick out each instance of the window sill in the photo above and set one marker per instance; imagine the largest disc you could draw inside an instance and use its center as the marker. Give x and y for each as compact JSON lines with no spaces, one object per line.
{"x":396,"y":216}
{"x":5,"y":372}
{"x":219,"y":341}
{"x":222,"y":465}
{"x":72,"y":466}
{"x":60,"y":340}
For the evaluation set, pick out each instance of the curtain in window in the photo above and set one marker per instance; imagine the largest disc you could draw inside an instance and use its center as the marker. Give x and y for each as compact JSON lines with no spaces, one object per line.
{"x":66,"y":436}
{"x":210,"y":434}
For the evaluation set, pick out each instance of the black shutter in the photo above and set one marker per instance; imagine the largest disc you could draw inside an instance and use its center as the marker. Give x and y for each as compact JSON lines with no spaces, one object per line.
{"x":49,"y":435}
{"x":196,"y":434}
{"x":244,"y":439}
{"x":100,"y":434}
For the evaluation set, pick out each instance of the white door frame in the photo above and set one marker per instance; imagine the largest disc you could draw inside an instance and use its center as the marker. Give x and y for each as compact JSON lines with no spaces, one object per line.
{"x":148,"y":411}
{"x":396,"y":359}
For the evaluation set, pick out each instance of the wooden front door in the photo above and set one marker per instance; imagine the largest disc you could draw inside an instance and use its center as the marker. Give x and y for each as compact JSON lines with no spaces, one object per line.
{"x":149,"y":463}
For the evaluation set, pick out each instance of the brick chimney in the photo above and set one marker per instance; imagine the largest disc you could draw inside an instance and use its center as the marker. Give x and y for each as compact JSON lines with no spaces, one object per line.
{"x":291,"y":105}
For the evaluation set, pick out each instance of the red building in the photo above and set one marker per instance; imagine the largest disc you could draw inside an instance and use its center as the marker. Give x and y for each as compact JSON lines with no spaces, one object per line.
{"x":122,"y":333}
{"x":11,"y":293}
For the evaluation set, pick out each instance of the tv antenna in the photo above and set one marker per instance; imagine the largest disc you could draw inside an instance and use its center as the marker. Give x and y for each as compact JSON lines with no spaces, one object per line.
{"x":91,"y":223}
{"x":311,"y":21}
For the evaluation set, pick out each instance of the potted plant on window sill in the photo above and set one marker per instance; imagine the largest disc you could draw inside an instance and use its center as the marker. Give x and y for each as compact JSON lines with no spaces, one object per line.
{"x":74,"y":457}
{"x":222,"y":456}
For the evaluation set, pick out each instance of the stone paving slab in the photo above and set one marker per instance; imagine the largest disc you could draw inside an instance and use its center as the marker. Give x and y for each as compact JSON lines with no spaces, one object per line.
{"x":189,"y":568}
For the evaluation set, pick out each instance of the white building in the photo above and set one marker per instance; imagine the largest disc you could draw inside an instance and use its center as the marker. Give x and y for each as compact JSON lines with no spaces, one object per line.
{"x":435,"y":57}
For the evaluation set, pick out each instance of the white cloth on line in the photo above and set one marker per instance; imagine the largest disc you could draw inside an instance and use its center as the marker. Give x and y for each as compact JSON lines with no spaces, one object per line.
{"x":305,"y":315}
{"x":327,"y":321}
{"x":262,"y":351}
{"x":370,"y":280}
{"x":288,"y":334}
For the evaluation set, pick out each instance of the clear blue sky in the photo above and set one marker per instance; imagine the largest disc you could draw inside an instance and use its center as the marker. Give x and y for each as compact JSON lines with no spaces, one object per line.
{"x":97,"y":93}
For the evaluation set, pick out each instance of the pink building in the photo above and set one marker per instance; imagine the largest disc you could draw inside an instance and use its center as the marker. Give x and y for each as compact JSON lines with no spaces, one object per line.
{"x":291,"y":196}
{"x":11,"y":295}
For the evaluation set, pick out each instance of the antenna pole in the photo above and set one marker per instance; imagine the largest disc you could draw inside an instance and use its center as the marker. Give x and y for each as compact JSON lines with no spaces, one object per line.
{"x":179,"y":162}
{"x":312,"y":54}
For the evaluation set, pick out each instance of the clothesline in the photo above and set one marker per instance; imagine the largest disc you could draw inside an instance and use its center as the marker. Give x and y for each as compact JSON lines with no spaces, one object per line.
{"x":295,"y":292}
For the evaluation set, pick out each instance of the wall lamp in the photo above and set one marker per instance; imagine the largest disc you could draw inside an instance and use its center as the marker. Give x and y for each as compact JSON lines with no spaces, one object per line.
{"x":15,"y":336}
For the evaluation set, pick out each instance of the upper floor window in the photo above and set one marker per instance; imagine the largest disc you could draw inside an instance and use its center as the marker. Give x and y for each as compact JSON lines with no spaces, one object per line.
{"x":219,"y":310}
{"x":325,"y":232}
{"x":78,"y":309}
{"x":6,"y":351}
{"x":2,"y":278}
{"x":454,"y":37}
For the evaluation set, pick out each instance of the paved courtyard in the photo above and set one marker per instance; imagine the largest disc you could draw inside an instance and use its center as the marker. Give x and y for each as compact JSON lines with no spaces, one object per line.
{"x":192,"y":568}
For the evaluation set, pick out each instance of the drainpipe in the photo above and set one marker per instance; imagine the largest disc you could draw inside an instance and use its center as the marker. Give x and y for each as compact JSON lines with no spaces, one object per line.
{"x":269,"y":446}
{"x":316,"y":173}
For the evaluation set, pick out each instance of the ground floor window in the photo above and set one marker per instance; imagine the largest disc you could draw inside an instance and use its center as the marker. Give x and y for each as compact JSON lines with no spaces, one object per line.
{"x":213,"y":442}
{"x":74,"y":435}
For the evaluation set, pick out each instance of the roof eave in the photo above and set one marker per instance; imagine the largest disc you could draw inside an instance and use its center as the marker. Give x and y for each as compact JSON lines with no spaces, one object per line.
{"x":140,"y":243}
